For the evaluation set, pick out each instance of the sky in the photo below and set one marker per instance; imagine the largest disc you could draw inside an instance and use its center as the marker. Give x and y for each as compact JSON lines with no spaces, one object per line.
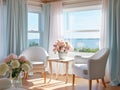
{"x":33,"y":21}
{"x":84,"y":20}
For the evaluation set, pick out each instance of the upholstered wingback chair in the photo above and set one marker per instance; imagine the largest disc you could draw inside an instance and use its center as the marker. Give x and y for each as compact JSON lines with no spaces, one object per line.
{"x":92,"y":68}
{"x":38,"y":56}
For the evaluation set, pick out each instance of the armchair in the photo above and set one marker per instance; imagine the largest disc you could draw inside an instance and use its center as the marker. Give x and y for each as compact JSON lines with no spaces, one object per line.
{"x":92,"y":68}
{"x":38,"y":56}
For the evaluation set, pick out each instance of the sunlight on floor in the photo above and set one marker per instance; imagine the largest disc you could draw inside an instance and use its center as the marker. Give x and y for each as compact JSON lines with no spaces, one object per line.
{"x":38,"y":84}
{"x":50,"y":85}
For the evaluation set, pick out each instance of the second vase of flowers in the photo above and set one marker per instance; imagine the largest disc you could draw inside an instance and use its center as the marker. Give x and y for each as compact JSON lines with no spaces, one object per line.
{"x":62,"y":48}
{"x":62,"y":55}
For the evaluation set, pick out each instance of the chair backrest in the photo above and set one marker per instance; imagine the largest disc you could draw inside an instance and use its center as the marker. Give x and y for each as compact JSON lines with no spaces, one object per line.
{"x":103,"y":53}
{"x":35,"y":53}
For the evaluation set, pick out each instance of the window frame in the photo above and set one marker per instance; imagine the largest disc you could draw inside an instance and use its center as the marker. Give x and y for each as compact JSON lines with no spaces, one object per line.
{"x":93,"y":7}
{"x":84,"y":8}
{"x":39,"y":22}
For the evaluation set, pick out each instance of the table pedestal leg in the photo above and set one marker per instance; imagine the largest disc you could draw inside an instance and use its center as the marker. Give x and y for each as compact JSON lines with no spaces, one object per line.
{"x":57,"y":70}
{"x":50,"y":66}
{"x":66,"y":72}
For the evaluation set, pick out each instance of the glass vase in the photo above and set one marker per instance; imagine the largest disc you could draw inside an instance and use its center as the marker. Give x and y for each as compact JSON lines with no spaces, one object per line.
{"x":62,"y":55}
{"x":17,"y":81}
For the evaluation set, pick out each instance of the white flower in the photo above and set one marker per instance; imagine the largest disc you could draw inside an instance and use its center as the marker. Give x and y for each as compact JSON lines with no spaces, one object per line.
{"x":29,"y":63}
{"x":3,"y":68}
{"x":25,"y":67}
{"x":15,"y":64}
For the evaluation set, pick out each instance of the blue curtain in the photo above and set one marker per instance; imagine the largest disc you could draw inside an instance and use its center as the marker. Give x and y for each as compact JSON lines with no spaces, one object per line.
{"x":3,"y":51}
{"x":16,"y":25}
{"x":114,"y":41}
{"x":45,"y":26}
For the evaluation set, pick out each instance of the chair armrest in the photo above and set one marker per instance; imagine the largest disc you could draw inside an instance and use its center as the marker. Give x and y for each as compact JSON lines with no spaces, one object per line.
{"x":96,"y":68}
{"x":80,"y":60}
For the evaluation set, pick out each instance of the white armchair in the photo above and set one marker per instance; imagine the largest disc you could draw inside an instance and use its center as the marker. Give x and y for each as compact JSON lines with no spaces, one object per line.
{"x":38,"y":56}
{"x":92,"y":68}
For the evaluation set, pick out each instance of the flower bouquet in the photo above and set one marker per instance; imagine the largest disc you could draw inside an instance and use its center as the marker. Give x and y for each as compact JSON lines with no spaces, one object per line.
{"x":62,"y":47}
{"x":15,"y":65}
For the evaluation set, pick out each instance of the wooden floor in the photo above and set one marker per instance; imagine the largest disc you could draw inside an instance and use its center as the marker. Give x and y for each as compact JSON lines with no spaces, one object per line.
{"x":36,"y":82}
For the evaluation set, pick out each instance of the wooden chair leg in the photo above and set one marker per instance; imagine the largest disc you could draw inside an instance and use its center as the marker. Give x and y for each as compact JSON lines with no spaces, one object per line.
{"x":73,"y":79}
{"x":103,"y":82}
{"x":44,"y":75}
{"x":97,"y":80}
{"x":25,"y":75}
{"x":90,"y":84}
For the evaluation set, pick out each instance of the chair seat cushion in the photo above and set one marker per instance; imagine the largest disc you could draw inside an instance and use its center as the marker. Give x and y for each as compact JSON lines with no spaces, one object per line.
{"x":36,"y":62}
{"x":5,"y":83}
{"x":38,"y":66}
{"x":80,"y":70}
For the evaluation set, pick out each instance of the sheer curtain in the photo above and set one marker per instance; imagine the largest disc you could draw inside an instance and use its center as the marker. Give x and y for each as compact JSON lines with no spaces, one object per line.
{"x":16,"y":25}
{"x":104,"y":32}
{"x":104,"y":27}
{"x":3,"y":50}
{"x":55,"y":24}
{"x":56,"y":9}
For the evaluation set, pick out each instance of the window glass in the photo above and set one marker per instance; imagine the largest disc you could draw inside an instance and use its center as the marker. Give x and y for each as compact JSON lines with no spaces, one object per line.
{"x":33,"y":29}
{"x":33,"y":19}
{"x":82,"y":20}
{"x":82,"y":29}
{"x":33,"y":39}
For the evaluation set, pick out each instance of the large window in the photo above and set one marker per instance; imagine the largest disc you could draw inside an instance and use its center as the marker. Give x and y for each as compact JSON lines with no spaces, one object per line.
{"x":33,"y":29}
{"x":82,"y":28}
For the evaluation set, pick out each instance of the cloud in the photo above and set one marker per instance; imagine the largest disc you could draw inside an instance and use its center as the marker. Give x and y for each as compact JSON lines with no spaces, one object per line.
{"x":97,"y":43}
{"x":81,"y":45}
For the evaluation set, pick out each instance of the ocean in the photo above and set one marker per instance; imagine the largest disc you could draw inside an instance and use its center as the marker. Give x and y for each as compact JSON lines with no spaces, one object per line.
{"x":85,"y":43}
{"x":76,"y":43}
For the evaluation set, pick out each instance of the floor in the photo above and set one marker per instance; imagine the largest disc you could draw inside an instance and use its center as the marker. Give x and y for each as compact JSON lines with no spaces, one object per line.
{"x":36,"y":83}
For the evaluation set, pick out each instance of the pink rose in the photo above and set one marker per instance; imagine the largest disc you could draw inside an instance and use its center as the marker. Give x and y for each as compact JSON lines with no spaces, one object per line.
{"x":10,"y":57}
{"x":61,"y":46}
{"x":22,"y":59}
